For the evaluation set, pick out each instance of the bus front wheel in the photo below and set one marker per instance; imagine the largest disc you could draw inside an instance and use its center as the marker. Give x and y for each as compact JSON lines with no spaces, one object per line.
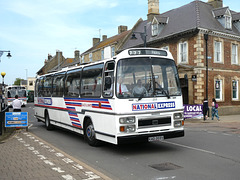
{"x":89,"y":134}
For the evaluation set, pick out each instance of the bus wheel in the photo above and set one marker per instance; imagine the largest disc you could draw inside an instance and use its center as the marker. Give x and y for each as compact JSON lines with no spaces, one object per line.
{"x":89,"y":134}
{"x":48,"y":124}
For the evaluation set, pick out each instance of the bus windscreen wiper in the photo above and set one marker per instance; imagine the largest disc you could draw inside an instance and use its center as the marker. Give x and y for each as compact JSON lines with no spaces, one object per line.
{"x":161,"y":89}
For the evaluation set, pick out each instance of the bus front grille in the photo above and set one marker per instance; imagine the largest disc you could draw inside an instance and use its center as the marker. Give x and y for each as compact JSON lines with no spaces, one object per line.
{"x":154,"y":122}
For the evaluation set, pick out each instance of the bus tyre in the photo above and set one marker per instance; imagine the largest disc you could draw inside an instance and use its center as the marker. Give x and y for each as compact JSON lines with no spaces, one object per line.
{"x":48,"y":124}
{"x":89,"y":134}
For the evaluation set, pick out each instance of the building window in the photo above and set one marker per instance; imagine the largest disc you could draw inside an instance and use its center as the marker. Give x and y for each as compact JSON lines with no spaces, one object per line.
{"x":154,"y":29}
{"x":234,"y":54}
{"x":234,"y":90}
{"x":183,"y":52}
{"x":90,"y":57}
{"x":113,"y":51}
{"x":217,"y":51}
{"x":30,"y":83}
{"x":228,"y":22}
{"x":102,"y":54}
{"x":218,"y":90}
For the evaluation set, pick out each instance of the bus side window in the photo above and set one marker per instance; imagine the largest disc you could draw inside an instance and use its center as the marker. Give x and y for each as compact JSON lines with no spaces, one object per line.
{"x":58,"y":85}
{"x":92,"y":81}
{"x":72,"y":83}
{"x":40,"y":87}
{"x":47,"y":86}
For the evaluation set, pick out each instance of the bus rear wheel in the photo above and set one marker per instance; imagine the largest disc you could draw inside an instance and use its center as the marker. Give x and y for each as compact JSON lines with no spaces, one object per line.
{"x":89,"y":134}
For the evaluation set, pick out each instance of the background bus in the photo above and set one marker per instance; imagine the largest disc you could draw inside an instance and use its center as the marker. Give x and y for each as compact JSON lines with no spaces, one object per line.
{"x":86,"y":99}
{"x":12,"y":91}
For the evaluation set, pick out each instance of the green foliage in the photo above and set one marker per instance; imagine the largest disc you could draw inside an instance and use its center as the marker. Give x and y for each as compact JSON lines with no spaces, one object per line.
{"x":18,"y":81}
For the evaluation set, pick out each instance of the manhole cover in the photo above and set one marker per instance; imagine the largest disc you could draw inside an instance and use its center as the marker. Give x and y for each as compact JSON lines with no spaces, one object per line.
{"x":165,"y":166}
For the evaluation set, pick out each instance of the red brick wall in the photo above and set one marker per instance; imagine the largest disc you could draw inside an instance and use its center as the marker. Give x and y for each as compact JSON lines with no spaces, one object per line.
{"x":226,"y":70}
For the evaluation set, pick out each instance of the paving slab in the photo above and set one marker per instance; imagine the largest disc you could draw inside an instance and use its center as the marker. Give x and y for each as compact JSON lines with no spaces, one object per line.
{"x":26,"y":156}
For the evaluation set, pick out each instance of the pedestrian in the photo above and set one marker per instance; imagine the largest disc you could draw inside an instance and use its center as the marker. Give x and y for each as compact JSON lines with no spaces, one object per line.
{"x":205,"y":109}
{"x":214,"y":109}
{"x":16,"y":104}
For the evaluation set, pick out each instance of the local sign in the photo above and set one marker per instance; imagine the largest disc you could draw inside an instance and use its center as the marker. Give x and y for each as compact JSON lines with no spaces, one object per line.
{"x":193,"y":111}
{"x":16,"y":119}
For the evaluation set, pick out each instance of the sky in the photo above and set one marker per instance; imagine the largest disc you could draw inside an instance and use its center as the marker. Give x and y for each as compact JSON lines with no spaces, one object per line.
{"x":32,"y":29}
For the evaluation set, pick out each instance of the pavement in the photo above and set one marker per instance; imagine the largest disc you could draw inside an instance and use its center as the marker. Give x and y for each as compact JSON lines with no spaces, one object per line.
{"x":26,"y":156}
{"x":222,"y":119}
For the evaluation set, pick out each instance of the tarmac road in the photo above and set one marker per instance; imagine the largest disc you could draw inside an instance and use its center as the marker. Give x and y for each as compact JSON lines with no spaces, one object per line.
{"x":209,"y":150}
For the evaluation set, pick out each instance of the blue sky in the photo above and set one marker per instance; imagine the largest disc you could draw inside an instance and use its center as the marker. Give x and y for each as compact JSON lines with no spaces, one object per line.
{"x":32,"y":29}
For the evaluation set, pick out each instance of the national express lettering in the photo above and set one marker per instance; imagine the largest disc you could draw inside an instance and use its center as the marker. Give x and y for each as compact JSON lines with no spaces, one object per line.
{"x":152,"y":106}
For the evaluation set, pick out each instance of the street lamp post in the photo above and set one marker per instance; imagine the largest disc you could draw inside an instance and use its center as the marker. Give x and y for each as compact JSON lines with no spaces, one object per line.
{"x":2,"y":95}
{"x":26,"y":74}
{"x":142,"y":34}
{"x":8,"y":55}
{"x":2,"y":104}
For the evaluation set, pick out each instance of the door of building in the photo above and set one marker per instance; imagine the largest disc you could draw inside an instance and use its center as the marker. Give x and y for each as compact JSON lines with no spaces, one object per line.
{"x":184,"y":87}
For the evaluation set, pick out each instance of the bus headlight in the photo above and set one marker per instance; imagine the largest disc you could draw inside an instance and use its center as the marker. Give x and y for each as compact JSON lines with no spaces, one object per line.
{"x":177,"y":115}
{"x":178,"y":123}
{"x":127,"y":120}
{"x":128,"y":129}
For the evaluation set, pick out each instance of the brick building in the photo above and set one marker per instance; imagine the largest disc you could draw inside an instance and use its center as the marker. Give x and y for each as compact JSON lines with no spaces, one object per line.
{"x":106,"y":48}
{"x":54,"y":63}
{"x":204,"y":39}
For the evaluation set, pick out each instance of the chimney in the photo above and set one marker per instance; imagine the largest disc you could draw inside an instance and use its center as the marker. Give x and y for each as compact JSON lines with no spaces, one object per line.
{"x":49,"y":57}
{"x":76,"y":55}
{"x":216,"y":3}
{"x":122,"y":29}
{"x":104,"y":37}
{"x":153,"y":9}
{"x":58,"y":54}
{"x":96,"y":41}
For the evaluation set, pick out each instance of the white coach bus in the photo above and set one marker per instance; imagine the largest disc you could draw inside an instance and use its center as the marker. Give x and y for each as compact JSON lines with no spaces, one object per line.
{"x":134,"y":96}
{"x":12,"y":91}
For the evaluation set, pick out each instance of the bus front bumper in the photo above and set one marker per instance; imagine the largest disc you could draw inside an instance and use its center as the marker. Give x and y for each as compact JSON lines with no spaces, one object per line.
{"x":146,"y":137}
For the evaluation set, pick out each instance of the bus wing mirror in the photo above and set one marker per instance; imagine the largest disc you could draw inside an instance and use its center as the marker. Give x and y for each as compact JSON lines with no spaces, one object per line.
{"x":108,"y":82}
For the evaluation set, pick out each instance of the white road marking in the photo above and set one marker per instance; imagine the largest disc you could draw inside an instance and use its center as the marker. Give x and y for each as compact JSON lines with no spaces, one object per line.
{"x":189,"y":147}
{"x":89,"y":174}
{"x":163,"y":178}
{"x":211,"y":132}
{"x":227,"y":134}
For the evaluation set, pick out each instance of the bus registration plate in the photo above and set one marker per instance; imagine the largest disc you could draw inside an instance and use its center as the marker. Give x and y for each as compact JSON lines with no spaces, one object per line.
{"x":155,"y":138}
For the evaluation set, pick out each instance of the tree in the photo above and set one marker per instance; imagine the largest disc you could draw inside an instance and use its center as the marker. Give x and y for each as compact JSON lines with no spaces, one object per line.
{"x":18,"y":81}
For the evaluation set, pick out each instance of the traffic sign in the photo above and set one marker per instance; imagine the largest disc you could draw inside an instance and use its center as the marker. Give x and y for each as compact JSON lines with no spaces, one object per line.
{"x":16,"y":119}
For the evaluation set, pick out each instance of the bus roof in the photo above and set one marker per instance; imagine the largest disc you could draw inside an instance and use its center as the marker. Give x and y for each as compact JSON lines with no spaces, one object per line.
{"x":127,"y":53}
{"x":15,"y":87}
